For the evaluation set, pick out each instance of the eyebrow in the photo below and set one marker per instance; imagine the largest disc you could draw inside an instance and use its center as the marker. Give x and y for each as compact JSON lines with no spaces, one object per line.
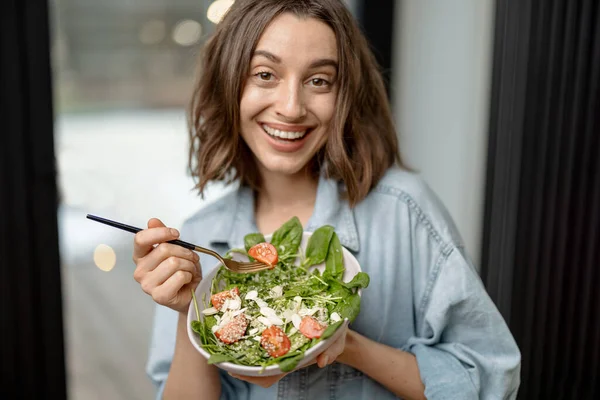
{"x":322,"y":62}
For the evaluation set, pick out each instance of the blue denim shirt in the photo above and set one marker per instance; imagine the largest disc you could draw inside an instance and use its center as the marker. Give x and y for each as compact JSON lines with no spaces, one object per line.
{"x":425,"y":296}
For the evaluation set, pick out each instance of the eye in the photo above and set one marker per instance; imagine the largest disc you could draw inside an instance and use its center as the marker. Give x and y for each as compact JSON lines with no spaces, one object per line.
{"x":319,"y":82}
{"x":264,"y":76}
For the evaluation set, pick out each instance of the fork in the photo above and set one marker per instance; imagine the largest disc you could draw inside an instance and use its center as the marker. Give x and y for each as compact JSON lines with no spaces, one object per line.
{"x":232,"y":265}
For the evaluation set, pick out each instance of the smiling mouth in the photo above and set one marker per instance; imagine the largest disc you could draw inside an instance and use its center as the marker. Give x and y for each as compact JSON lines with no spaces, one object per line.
{"x":284,"y":135}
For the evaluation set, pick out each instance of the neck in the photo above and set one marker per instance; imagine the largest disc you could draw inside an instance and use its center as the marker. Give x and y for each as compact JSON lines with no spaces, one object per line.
{"x":284,"y":196}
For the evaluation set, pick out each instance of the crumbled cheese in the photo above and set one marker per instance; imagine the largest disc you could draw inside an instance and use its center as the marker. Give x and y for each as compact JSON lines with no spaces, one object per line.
{"x":275,"y":320}
{"x":296,"y":320}
{"x":251,"y":295}
{"x":267,"y":311}
{"x":261,"y":303}
{"x":238,"y":312}
{"x":225,"y":305}
{"x":277,"y":291}
{"x":308,"y":311}
{"x":265,"y":321}
{"x":287,"y":315}
{"x":235,"y":303}
{"x":210,"y":311}
{"x":335,"y":317}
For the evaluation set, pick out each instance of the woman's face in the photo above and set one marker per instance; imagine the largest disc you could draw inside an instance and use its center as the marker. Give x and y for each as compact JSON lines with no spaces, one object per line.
{"x":289,"y":97}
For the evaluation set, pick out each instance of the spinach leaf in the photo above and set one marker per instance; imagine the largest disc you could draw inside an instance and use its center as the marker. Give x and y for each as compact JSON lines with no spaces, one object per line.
{"x":197,"y":327}
{"x":337,"y":288}
{"x":315,"y":288}
{"x":209,"y":321}
{"x":360,"y":280}
{"x":287,"y":238}
{"x":220,"y":357}
{"x":318,"y":245}
{"x":334,"y":263}
{"x":349,"y":307}
{"x":252,"y":239}
{"x":289,"y":364}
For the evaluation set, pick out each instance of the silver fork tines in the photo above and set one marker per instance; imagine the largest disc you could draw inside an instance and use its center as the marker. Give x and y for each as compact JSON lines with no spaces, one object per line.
{"x":232,"y":265}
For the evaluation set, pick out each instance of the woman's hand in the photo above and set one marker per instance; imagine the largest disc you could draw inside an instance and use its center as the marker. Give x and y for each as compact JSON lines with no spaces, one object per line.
{"x":322,"y":360}
{"x":165,"y":271}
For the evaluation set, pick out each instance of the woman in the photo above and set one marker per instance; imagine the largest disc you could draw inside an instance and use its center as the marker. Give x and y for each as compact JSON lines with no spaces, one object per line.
{"x":291,"y":107}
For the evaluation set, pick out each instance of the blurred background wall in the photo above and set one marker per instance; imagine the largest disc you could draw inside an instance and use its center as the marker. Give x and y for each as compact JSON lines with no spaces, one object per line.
{"x":441,"y":93}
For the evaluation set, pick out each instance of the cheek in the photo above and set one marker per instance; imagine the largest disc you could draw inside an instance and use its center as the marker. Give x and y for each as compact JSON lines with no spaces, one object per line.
{"x":252,"y":102}
{"x":325,"y":109}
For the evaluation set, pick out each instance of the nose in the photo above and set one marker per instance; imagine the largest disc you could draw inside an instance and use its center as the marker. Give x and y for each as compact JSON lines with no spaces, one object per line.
{"x":291,"y":105}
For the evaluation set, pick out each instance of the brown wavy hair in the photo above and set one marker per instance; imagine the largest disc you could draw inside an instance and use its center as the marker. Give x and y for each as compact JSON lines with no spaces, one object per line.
{"x":362,"y":142}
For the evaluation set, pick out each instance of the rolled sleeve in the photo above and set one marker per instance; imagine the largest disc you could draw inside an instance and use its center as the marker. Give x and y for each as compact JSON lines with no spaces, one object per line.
{"x":464,"y":348}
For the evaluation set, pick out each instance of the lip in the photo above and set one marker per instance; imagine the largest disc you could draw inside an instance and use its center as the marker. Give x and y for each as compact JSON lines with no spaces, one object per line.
{"x":285,"y":146}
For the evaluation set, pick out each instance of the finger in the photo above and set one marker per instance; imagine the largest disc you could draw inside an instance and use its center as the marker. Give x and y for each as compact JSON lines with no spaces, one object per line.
{"x":331,"y":354}
{"x":144,"y":240}
{"x":155,"y":223}
{"x":159,"y":255}
{"x":168,"y":292}
{"x":169,"y":267}
{"x":163,"y":252}
{"x":323,"y":360}
{"x":149,"y":280}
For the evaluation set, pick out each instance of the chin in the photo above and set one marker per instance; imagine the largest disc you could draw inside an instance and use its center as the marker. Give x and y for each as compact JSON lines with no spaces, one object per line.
{"x":284,"y":168}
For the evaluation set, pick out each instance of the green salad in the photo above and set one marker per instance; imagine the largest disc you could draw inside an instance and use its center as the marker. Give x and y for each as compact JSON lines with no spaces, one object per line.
{"x":275,"y":316}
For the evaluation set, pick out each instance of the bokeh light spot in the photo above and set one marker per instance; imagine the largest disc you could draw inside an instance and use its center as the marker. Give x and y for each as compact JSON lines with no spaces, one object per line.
{"x":217,"y":10}
{"x":187,"y":32}
{"x":105,"y":257}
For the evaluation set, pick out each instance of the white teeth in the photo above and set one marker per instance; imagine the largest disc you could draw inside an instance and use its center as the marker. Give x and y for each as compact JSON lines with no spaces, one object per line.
{"x":283,"y":134}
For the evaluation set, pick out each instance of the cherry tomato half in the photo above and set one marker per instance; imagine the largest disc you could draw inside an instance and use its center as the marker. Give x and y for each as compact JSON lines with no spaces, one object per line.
{"x":218,"y":299}
{"x":311,"y":328}
{"x":264,"y":252}
{"x":233,"y":330}
{"x":275,"y":341}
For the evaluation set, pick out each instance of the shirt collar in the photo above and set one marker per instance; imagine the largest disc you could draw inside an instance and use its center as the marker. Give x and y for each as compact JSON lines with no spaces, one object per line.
{"x":330,"y":209}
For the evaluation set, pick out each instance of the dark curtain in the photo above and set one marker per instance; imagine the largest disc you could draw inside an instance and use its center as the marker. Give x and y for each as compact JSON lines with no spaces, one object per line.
{"x":378,"y":26}
{"x":541,"y":259}
{"x":30,"y":284}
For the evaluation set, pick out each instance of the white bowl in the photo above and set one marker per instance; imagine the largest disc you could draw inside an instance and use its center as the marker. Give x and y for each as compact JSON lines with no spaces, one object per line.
{"x":351,"y":268}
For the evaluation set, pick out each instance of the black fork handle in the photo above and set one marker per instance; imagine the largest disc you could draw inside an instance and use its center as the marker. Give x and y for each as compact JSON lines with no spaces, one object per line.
{"x":133,"y":229}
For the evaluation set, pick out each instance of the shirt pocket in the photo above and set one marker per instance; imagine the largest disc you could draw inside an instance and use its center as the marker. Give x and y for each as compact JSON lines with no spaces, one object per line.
{"x":345,"y":382}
